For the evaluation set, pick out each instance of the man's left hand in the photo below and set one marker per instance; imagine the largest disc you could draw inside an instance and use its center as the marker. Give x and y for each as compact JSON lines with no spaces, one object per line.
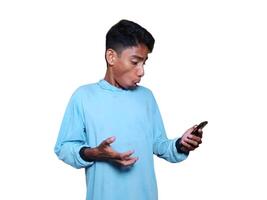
{"x":190,"y":142}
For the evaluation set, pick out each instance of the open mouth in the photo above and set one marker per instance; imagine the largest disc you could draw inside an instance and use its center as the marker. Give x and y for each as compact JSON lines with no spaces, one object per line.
{"x":134,"y":85}
{"x":136,"y":82}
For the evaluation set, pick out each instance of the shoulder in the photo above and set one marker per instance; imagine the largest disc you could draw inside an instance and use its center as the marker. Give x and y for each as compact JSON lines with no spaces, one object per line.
{"x":85,"y":88}
{"x":147,"y":92}
{"x":83,"y":91}
{"x":144,"y":90}
{"x":147,"y":95}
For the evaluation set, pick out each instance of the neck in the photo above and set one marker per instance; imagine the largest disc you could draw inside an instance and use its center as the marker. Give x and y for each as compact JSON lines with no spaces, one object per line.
{"x":109,"y":77}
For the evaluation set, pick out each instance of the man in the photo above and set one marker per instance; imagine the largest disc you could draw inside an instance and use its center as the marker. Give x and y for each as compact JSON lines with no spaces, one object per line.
{"x":113,"y":127}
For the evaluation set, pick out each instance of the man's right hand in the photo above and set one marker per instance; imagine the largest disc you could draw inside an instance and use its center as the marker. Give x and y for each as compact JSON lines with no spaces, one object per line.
{"x":104,"y":152}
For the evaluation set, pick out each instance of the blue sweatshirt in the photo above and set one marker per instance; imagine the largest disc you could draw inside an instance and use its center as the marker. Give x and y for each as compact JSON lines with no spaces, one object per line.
{"x":98,"y":111}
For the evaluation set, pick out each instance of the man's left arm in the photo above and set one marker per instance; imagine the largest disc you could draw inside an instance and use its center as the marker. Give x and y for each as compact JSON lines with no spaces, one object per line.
{"x":162,"y":146}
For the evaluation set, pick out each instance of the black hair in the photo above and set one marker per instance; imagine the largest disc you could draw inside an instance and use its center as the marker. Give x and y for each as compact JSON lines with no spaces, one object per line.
{"x":126,"y":34}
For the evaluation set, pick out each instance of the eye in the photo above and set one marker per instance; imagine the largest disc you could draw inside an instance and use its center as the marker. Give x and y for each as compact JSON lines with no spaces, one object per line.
{"x":134,"y":62}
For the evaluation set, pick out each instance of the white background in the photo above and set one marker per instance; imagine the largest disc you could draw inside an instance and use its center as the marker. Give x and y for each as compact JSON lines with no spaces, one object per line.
{"x":208,"y":64}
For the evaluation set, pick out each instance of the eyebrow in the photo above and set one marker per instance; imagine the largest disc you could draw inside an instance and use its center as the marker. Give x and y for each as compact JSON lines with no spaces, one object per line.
{"x":139,"y":57}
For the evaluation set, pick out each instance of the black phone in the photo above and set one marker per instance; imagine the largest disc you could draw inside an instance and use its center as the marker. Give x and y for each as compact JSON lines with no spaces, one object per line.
{"x":200,"y":126}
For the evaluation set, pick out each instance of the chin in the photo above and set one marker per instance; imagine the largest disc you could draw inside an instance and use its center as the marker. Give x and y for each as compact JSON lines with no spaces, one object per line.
{"x":133,"y":87}
{"x":130,"y":86}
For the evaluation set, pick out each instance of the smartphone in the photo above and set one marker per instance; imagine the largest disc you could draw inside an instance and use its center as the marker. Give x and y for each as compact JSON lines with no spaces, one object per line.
{"x":200,"y":126}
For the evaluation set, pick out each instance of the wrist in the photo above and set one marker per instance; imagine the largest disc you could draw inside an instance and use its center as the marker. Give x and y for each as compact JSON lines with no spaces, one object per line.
{"x":88,"y":154}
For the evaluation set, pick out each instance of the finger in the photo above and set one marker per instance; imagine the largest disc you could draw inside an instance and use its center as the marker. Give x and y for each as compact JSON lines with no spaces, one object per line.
{"x":109,"y":140}
{"x":127,"y":163}
{"x":184,"y":149}
{"x":187,"y":149}
{"x":130,"y":158}
{"x":126,"y":154}
{"x":190,"y":130}
{"x":194,"y":137}
{"x":190,"y":147}
{"x":186,"y":145}
{"x":191,"y":142}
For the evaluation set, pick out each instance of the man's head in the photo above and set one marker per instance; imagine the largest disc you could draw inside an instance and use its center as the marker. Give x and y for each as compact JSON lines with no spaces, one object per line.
{"x":127,"y":48}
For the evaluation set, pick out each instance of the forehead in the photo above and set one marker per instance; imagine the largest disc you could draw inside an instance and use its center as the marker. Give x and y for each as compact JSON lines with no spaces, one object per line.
{"x":140,"y":51}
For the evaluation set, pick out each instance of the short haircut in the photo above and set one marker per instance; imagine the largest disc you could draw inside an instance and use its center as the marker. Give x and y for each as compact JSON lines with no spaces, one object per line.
{"x":127,"y":34}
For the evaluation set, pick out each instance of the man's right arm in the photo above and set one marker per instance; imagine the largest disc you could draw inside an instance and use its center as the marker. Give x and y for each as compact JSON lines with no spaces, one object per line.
{"x":72,"y":135}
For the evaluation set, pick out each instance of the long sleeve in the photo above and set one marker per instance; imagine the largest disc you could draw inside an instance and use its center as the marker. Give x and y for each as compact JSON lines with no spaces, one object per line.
{"x":162,"y":146}
{"x":72,"y":134}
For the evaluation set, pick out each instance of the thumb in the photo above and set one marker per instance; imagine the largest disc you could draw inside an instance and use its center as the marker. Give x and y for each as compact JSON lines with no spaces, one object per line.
{"x":109,"y":140}
{"x":192,"y":128}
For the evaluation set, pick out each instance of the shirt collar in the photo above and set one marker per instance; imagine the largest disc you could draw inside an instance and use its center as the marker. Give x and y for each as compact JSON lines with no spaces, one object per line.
{"x":107,"y":86}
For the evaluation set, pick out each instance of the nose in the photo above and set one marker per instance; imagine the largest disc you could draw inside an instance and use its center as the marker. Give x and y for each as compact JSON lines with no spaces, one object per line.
{"x":140,"y":71}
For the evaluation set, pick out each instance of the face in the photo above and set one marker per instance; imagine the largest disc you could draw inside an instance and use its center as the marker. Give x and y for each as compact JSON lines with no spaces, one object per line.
{"x":127,"y":68}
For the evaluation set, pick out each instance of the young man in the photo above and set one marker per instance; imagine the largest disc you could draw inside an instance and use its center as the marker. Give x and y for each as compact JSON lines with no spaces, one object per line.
{"x":113,"y":127}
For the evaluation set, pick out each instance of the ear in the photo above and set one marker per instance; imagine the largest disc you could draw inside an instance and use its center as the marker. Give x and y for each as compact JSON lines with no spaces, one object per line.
{"x":111,"y":57}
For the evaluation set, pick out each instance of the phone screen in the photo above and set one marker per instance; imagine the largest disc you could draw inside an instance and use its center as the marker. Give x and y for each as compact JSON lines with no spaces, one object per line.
{"x":200,"y":126}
